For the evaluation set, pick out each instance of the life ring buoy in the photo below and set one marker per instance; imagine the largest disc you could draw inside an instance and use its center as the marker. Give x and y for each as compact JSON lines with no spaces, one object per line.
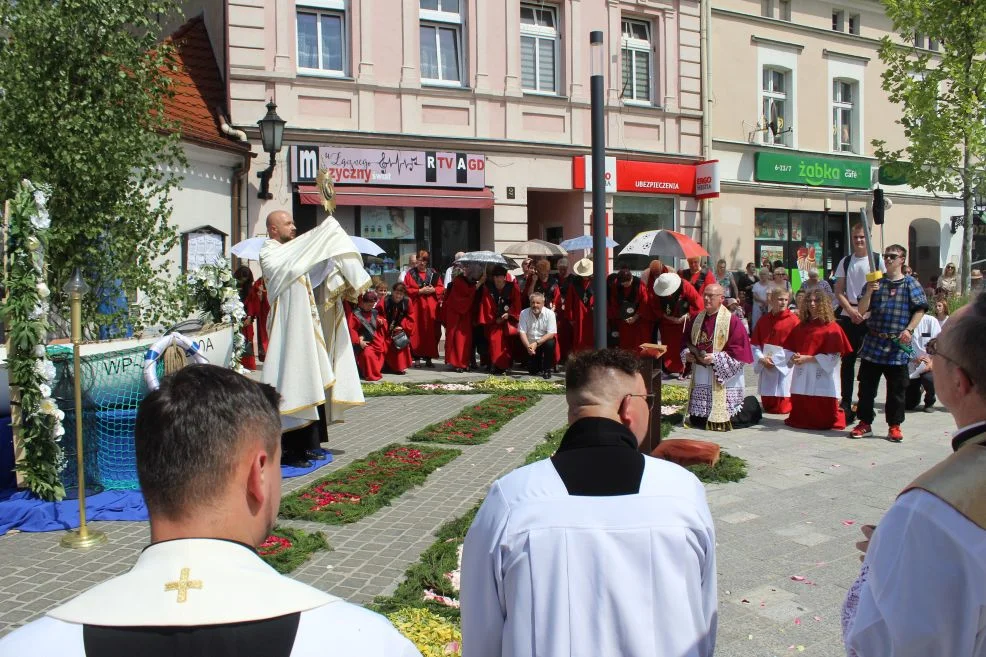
{"x":157,"y":349}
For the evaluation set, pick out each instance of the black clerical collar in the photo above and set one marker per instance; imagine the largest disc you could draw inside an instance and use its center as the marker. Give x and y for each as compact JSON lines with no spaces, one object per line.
{"x":963,"y":435}
{"x":597,"y":432}
{"x":205,"y":538}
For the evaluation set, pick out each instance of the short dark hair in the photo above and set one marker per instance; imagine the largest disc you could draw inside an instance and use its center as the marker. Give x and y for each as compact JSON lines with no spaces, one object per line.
{"x":499,"y":270}
{"x":189,"y":431}
{"x":899,"y":249}
{"x":399,"y":287}
{"x":963,"y":340}
{"x":580,"y":367}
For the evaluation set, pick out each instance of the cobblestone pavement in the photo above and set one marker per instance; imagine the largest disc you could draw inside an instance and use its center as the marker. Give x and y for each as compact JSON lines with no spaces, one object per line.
{"x":797,"y":514}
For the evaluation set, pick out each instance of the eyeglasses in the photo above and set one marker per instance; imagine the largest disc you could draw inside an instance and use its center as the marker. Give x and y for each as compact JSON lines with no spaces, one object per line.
{"x":891,"y":256}
{"x":648,"y":397}
{"x":932,"y":349}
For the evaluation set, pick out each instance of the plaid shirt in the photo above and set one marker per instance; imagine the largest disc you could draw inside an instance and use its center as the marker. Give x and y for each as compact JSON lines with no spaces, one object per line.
{"x":891,"y":309}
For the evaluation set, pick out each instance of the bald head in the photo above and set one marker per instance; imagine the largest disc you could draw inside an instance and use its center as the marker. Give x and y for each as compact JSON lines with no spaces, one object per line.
{"x":712,"y":296}
{"x":280,"y":226}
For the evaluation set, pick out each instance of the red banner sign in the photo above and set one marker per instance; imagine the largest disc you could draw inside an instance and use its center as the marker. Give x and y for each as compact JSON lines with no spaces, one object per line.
{"x":655,"y":178}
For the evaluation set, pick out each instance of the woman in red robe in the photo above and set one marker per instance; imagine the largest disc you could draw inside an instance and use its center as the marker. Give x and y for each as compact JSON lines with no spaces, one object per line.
{"x":425,"y":288}
{"x":499,"y":313}
{"x":818,"y":344}
{"x":628,"y":312}
{"x":564,"y":281}
{"x":457,"y":315}
{"x":397,"y":312}
{"x":674,"y":301}
{"x":578,"y":306}
{"x":244,"y":284}
{"x":261,"y":310}
{"x":368,"y":332}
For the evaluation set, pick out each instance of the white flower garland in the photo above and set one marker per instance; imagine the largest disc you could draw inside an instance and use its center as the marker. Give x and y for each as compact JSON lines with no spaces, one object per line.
{"x":31,"y":372}
{"x":214,"y":291}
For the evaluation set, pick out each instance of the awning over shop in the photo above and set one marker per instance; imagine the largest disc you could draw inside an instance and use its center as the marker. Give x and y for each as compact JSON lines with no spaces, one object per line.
{"x":402,"y":197}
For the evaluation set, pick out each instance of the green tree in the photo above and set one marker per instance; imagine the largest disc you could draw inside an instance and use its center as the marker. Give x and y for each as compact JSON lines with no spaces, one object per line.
{"x":943,"y":101}
{"x":83,"y":88}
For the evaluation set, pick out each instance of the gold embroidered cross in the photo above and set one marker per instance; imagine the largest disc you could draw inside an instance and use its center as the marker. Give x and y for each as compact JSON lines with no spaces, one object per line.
{"x":182,"y":585}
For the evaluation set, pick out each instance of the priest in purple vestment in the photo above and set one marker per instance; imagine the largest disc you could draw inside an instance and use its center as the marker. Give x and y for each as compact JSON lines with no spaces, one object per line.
{"x":717,"y":344}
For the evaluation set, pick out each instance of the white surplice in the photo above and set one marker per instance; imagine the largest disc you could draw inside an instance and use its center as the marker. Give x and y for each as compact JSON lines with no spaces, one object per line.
{"x":227,"y":584}
{"x":549,"y":574}
{"x":773,"y":381}
{"x":819,"y":378}
{"x":922,"y":587}
{"x":927,"y":329}
{"x":303,"y":360}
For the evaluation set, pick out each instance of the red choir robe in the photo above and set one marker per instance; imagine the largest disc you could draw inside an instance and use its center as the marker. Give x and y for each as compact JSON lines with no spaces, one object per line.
{"x":685,"y":300}
{"x":457,"y":315}
{"x":251,"y":305}
{"x":561,"y":319}
{"x":579,"y":303}
{"x":398,"y":316}
{"x":427,"y":330}
{"x":773,"y":330}
{"x":259,"y":302}
{"x":370,"y":360}
{"x":620,"y":304}
{"x":816,"y":387}
{"x":500,"y":335}
{"x":698,"y":281}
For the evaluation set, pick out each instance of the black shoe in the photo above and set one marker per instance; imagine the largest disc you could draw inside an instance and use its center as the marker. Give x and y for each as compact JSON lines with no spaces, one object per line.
{"x":498,"y":372}
{"x":428,"y":363}
{"x":850,"y":414}
{"x":546,"y":375}
{"x":296,"y":461}
{"x":460,"y":370}
{"x":929,"y":408}
{"x":315,"y":455}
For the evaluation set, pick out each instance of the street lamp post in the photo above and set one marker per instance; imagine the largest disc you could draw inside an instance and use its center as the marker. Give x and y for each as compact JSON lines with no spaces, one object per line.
{"x":597,"y":65}
{"x":271,"y":137}
{"x":82,"y":539}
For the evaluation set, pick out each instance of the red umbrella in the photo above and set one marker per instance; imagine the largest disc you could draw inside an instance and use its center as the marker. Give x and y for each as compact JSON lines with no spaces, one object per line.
{"x":666,"y":243}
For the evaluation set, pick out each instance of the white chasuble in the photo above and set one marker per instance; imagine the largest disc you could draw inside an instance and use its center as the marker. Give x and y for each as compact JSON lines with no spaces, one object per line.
{"x":306,"y":360}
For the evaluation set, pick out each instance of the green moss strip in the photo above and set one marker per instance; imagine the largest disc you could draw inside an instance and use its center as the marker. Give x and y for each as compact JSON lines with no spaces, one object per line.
{"x":360,"y":488}
{"x":287,"y":548}
{"x":476,"y":423}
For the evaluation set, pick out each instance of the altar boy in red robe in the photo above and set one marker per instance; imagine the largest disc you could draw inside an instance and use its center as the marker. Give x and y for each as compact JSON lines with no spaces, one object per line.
{"x":579,"y":302}
{"x":499,"y":313}
{"x":425,"y":288}
{"x":771,"y":361}
{"x":368,"y":332}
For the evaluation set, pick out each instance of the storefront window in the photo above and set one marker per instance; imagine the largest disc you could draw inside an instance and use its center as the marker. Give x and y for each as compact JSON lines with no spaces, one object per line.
{"x":392,"y":229}
{"x":635,"y":214}
{"x":801,"y":241}
{"x":807,"y":240}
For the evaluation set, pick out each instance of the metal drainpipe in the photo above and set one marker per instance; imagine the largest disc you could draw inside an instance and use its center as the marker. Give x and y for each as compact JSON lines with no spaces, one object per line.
{"x":705,"y":25}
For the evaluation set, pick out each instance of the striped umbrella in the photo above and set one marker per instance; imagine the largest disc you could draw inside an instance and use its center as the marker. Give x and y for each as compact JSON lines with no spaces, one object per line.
{"x":666,"y":243}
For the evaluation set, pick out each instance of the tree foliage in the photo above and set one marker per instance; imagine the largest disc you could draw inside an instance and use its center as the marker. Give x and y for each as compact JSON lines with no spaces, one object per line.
{"x":83,"y":89}
{"x":942,"y":98}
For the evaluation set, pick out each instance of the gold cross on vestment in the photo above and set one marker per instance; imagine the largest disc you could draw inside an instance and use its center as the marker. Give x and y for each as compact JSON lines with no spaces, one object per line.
{"x":182,"y":585}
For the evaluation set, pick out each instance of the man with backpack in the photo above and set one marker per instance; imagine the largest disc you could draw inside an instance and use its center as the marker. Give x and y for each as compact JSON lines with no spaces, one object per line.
{"x":850,"y":285}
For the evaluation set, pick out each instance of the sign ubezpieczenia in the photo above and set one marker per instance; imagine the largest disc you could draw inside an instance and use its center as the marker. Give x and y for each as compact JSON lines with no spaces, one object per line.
{"x":800,"y":169}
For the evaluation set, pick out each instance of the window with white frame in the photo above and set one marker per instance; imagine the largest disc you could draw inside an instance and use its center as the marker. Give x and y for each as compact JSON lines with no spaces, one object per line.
{"x":777,"y":105}
{"x":322,"y":37}
{"x":441,"y":41}
{"x":838,"y":20}
{"x":854,"y":24}
{"x":844,"y":103}
{"x":539,"y":48}
{"x":636,"y":50}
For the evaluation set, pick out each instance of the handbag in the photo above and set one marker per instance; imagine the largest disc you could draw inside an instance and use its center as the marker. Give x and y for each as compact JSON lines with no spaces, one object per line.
{"x":401,"y":341}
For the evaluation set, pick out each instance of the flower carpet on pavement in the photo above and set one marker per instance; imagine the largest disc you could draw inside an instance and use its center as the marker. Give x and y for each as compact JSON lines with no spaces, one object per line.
{"x":360,"y":488}
{"x":476,"y":423}
{"x":287,"y":548}
{"x":491,"y":384}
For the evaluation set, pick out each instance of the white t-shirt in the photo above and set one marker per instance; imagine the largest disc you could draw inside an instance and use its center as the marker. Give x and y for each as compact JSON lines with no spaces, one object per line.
{"x":537,"y":327}
{"x":859,"y":267}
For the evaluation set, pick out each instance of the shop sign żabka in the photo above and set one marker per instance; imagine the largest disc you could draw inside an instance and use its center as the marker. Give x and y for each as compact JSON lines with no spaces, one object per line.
{"x":370,"y":166}
{"x":799,"y":169}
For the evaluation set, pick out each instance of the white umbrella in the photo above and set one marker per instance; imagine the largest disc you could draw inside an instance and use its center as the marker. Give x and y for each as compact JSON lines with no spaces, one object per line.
{"x":486,"y":258}
{"x":535,"y":248}
{"x":584,"y":242}
{"x":249,"y":249}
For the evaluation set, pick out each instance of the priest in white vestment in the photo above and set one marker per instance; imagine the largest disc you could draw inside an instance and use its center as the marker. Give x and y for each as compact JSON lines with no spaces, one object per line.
{"x":208,"y":460}
{"x":304,"y":362}
{"x":922,"y":587}
{"x":599,"y":550}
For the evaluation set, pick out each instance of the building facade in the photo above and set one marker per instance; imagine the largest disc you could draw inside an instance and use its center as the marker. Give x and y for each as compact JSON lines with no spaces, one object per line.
{"x":463,"y":124}
{"x":796,"y":103}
